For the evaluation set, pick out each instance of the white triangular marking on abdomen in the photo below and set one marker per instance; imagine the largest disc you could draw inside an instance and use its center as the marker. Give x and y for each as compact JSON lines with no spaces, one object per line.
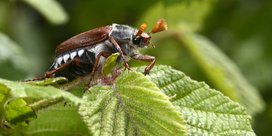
{"x":59,"y":60}
{"x":80,"y":52}
{"x":66,"y":57}
{"x":73,"y":54}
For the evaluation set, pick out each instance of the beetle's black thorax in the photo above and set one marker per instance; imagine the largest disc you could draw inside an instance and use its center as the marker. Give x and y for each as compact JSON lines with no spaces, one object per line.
{"x":122,"y":33}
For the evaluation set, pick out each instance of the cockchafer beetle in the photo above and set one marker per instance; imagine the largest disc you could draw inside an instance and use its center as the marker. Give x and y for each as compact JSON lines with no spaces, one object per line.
{"x":85,"y":53}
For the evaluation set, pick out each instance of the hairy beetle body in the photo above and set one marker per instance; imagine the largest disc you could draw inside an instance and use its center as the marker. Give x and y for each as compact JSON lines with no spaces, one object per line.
{"x":86,"y":52}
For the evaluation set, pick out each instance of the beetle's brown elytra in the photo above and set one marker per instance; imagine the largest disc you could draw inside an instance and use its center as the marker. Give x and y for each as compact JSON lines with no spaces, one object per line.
{"x":86,"y":52}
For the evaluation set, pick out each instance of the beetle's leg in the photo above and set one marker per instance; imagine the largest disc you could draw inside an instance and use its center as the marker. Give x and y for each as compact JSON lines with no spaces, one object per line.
{"x":50,"y":73}
{"x":75,"y":61}
{"x":147,"y":58}
{"x":104,"y":54}
{"x":116,"y":45}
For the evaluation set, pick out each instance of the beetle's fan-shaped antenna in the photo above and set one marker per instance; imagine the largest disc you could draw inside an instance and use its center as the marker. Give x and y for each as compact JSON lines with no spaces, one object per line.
{"x":161,"y":25}
{"x":141,"y":29}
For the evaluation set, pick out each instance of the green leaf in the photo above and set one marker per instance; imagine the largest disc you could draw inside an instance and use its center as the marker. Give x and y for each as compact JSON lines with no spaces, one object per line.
{"x":49,"y":81}
{"x":17,"y":112}
{"x":110,"y":63}
{"x":57,"y":120}
{"x":4,"y":91}
{"x":222,"y":72}
{"x":4,"y":94}
{"x":26,"y":90}
{"x":206,"y":111}
{"x":192,"y":14}
{"x":50,"y":9}
{"x":133,"y":106}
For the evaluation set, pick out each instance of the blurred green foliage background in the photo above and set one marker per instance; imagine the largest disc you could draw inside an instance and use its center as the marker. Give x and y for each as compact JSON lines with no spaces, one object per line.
{"x":31,"y":29}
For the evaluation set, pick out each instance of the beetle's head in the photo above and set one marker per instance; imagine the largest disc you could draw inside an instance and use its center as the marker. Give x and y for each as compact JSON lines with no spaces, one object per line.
{"x":142,"y":39}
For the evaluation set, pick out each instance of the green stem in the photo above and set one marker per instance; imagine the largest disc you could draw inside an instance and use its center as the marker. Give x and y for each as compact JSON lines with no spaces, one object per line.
{"x":44,"y":103}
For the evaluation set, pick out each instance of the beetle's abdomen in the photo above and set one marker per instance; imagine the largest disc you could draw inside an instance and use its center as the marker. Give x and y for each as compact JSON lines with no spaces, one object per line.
{"x":80,"y":62}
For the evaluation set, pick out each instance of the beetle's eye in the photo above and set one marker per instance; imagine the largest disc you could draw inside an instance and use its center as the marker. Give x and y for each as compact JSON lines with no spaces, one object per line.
{"x":136,"y":40}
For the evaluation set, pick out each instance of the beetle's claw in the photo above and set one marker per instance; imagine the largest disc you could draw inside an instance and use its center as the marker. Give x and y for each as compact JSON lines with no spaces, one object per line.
{"x":127,"y":66}
{"x":146,"y":72}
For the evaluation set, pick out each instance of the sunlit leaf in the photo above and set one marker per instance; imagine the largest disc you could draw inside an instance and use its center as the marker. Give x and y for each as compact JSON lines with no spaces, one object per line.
{"x":205,"y":110}
{"x":133,"y":106}
{"x":50,"y":9}
{"x":223,"y":72}
{"x":26,"y":90}
{"x":4,"y":92}
{"x":58,"y":120}
{"x":49,"y":81}
{"x":17,"y":112}
{"x":110,"y":63}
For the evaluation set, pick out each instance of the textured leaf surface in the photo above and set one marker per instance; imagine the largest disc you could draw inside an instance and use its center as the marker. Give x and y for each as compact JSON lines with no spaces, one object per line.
{"x":51,"y":9}
{"x":25,"y":90}
{"x":133,"y":106}
{"x":223,"y":72}
{"x":58,"y":120}
{"x":17,"y":111}
{"x":206,"y":111}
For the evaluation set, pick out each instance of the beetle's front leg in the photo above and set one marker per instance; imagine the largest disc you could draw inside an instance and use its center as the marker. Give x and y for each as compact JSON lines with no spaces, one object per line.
{"x":104,"y":54}
{"x":147,"y":58}
{"x":116,"y":45}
